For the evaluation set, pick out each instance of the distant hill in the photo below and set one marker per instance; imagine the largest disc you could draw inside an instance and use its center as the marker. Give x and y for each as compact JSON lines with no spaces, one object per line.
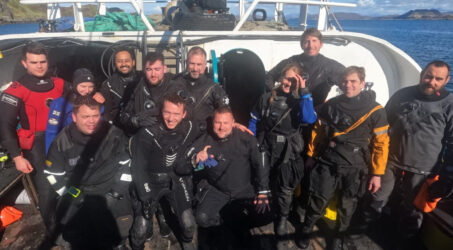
{"x":419,"y":14}
{"x":12,"y":11}
{"x":425,"y":14}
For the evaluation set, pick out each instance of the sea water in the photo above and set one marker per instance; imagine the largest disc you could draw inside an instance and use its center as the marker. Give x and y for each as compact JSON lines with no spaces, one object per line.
{"x":423,"y":40}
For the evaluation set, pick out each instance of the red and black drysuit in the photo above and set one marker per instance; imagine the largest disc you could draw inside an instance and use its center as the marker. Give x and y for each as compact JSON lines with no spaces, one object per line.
{"x":26,"y":102}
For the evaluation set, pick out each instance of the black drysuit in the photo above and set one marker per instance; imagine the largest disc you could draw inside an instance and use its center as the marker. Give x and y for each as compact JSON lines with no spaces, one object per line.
{"x":240,"y":174}
{"x":145,"y":103}
{"x":155,"y":151}
{"x":203,"y":97}
{"x":117,"y":91}
{"x":323,"y":73}
{"x":99,"y":166}
{"x":279,"y":132}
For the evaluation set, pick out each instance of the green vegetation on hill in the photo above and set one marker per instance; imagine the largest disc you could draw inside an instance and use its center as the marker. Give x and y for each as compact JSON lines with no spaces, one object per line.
{"x":14,"y":11}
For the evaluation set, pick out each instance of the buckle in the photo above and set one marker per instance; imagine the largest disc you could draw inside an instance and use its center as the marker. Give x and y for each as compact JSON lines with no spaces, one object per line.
{"x":74,"y":192}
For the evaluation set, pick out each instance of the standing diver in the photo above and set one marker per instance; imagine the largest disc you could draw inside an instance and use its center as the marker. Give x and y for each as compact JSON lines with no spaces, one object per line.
{"x":276,"y":120}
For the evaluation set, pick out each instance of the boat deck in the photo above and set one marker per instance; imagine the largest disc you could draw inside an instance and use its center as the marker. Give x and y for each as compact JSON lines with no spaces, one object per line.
{"x":436,"y":233}
{"x":28,"y":233}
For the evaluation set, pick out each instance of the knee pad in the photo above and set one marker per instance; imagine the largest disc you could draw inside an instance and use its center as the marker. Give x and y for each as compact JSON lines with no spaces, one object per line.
{"x":203,"y":220}
{"x":187,"y":219}
{"x":188,"y":224}
{"x":141,"y":229}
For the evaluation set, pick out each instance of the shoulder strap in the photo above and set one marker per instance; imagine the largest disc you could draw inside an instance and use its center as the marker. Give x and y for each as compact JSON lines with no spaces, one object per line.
{"x":204,"y":97}
{"x":281,"y":119}
{"x":358,"y":122}
{"x":63,"y":140}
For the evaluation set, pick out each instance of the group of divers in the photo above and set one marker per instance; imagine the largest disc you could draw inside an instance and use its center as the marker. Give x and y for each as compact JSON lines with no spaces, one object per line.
{"x":105,"y":160}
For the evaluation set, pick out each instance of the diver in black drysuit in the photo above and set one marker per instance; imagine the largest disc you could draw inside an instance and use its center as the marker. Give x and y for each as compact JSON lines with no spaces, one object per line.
{"x":238,"y":178}
{"x":203,"y":97}
{"x":117,"y":91}
{"x":281,"y":141}
{"x":144,"y":105}
{"x":97,"y":165}
{"x":143,"y":109}
{"x":155,"y":151}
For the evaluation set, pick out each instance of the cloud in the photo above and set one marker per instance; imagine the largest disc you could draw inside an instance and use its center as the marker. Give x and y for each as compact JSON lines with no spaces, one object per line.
{"x":365,"y":3}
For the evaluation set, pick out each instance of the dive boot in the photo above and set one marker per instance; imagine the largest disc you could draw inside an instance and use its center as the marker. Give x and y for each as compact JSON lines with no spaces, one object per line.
{"x":303,"y":240}
{"x":282,"y":226}
{"x":336,"y":243}
{"x":188,"y":246}
{"x":164,"y":229}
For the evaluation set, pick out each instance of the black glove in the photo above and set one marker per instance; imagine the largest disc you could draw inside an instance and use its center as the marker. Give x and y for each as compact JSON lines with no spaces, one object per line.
{"x":442,"y":188}
{"x":262,"y":204}
{"x":115,"y":195}
{"x":144,"y":119}
{"x":147,"y":210}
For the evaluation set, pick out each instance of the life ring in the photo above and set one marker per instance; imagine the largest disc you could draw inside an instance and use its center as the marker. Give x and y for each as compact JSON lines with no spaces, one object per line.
{"x":263,"y":16}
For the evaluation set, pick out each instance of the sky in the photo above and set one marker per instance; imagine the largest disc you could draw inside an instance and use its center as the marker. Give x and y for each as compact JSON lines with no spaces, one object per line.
{"x":364,"y":7}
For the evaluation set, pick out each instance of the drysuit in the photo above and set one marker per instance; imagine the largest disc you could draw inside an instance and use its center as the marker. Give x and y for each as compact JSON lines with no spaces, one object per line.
{"x":146,"y":101}
{"x":155,"y":151}
{"x":278,"y":124}
{"x":117,"y":91}
{"x":323,"y":73}
{"x":97,"y":167}
{"x":421,"y":144}
{"x":203,"y":96}
{"x":349,"y":140}
{"x":60,"y":116}
{"x":239,"y":175}
{"x":26,"y":102}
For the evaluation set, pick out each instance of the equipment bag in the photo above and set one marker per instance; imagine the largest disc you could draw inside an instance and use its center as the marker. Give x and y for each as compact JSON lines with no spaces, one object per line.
{"x":9,"y":215}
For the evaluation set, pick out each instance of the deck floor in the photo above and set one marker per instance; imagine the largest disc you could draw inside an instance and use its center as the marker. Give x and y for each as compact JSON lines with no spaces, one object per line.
{"x":28,"y":233}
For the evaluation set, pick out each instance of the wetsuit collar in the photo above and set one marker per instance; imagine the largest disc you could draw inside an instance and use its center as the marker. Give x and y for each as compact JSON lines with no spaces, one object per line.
{"x":358,"y":102}
{"x":84,"y":139}
{"x":308,"y":58}
{"x":439,"y":95}
{"x":149,"y":85}
{"x":193,"y":81}
{"x":37,"y":84}
{"x":129,"y":77}
{"x":223,"y":139}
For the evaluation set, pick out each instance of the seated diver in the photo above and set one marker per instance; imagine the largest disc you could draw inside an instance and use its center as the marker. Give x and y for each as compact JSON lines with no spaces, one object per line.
{"x":227,"y":161}
{"x":60,"y":110}
{"x":89,"y":167}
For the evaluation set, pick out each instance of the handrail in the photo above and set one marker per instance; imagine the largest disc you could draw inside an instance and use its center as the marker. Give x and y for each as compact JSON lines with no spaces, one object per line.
{"x":299,"y":2}
{"x":138,"y":5}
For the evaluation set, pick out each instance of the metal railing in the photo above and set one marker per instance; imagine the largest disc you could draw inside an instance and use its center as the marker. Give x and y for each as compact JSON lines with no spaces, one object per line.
{"x":244,"y":14}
